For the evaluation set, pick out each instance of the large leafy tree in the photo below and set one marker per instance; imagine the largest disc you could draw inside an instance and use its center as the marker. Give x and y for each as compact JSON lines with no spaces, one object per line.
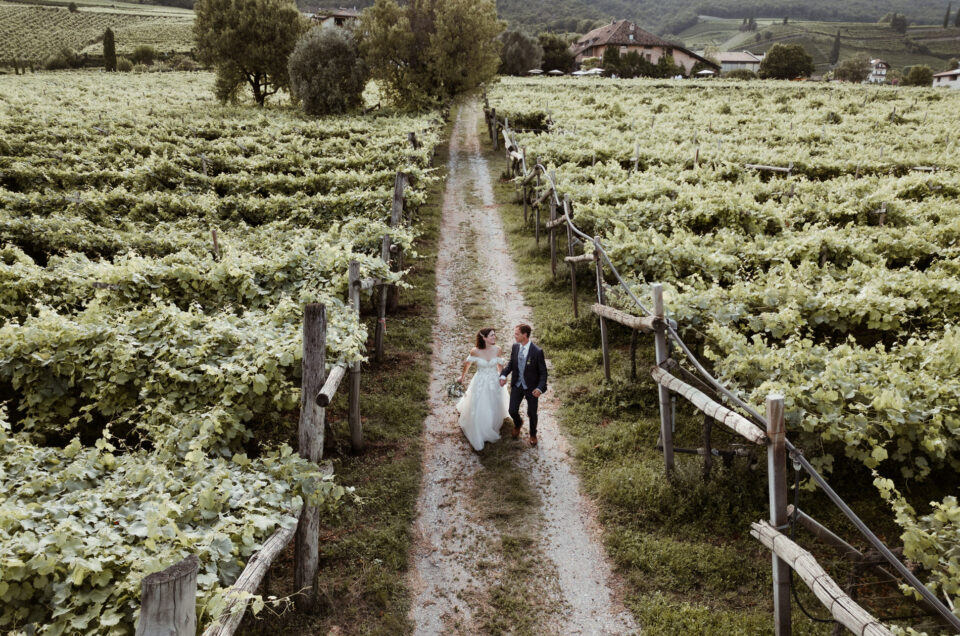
{"x":248,"y":42}
{"x":919,"y":75}
{"x":429,"y":50}
{"x":326,"y":74}
{"x":855,"y":69}
{"x":519,"y":54}
{"x":786,"y":61}
{"x":556,"y":52}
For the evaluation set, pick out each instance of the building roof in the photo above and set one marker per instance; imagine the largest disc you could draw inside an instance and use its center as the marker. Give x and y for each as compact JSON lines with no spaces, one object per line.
{"x":878,"y":63}
{"x":953,"y":73}
{"x":336,"y":13}
{"x":618,"y":33}
{"x":738,"y":57}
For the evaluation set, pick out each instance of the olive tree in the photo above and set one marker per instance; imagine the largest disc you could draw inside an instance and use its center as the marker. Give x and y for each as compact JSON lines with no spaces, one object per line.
{"x":326,"y":74}
{"x":248,"y":42}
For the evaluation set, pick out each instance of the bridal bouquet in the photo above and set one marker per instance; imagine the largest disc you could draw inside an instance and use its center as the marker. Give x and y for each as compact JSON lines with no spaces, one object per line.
{"x":455,"y":389}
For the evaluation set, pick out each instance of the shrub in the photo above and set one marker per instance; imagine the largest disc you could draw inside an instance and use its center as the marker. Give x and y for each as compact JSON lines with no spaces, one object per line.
{"x":63,"y":59}
{"x":140,"y":68}
{"x":183,"y":63}
{"x":919,"y":75}
{"x":326,"y":74}
{"x":124,"y":65}
{"x":741,"y":74}
{"x":72,"y":7}
{"x":143,"y":54}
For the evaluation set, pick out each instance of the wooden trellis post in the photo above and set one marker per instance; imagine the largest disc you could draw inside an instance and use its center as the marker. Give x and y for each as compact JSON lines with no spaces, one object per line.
{"x":395,"y":251}
{"x":169,"y":601}
{"x":666,"y":411}
{"x":306,"y":555}
{"x":553,"y":237}
{"x":568,"y":210}
{"x":777,"y":475}
{"x":602,"y":299}
{"x":356,"y":428}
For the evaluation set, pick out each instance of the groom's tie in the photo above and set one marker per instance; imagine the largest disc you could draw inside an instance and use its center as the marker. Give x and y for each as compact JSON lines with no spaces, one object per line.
{"x":521,"y":362}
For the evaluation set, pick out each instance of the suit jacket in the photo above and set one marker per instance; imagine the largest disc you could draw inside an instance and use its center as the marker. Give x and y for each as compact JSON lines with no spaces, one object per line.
{"x":535,"y":373}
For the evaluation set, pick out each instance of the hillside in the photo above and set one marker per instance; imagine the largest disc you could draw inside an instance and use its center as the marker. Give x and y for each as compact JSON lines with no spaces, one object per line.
{"x":33,"y":32}
{"x":932,"y":46}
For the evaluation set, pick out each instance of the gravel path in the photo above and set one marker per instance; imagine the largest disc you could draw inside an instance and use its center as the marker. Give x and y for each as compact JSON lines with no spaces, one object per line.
{"x":450,"y":537}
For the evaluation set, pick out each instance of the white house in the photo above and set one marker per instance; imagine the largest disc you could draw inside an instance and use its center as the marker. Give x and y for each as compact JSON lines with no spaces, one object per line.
{"x":335,"y":17}
{"x":950,"y":79}
{"x":878,"y":72}
{"x":733,"y":60}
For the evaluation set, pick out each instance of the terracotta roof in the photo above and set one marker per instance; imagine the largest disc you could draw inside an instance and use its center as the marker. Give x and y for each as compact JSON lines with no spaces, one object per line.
{"x":955,"y":71}
{"x":618,"y":33}
{"x":336,"y":13}
{"x":737,"y":57}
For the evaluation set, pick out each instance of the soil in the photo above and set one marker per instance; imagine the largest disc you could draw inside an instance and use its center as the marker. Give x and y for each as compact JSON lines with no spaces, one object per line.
{"x":455,"y":559}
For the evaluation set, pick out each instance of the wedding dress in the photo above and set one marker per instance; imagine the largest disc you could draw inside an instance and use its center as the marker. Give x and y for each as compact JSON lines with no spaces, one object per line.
{"x":484,"y":405}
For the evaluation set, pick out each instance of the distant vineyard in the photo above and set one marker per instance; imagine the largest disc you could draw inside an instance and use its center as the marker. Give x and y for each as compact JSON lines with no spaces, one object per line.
{"x":33,"y":33}
{"x":139,"y":364}
{"x":835,"y":281}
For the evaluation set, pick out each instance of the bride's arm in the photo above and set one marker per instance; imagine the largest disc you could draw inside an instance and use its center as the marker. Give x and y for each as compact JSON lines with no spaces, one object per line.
{"x":466,"y":367}
{"x":499,"y":366}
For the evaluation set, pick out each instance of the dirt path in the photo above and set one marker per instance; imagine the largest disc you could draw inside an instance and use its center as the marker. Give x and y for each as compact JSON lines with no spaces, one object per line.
{"x":458,"y":562}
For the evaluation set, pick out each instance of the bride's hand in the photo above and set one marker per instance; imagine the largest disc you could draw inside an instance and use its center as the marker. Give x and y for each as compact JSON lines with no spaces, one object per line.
{"x":462,"y":378}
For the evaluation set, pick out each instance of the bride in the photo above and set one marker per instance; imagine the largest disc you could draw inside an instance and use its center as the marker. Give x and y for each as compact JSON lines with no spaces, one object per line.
{"x":484,"y":405}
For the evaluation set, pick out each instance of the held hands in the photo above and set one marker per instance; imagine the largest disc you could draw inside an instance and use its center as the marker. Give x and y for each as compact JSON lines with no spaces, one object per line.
{"x":537,"y":393}
{"x":503,"y":382}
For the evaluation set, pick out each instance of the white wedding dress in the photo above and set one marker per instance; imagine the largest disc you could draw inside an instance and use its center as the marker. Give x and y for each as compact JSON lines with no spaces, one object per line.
{"x":484,"y":405}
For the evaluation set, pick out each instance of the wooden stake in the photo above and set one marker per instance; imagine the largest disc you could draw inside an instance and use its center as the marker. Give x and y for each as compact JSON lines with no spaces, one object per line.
{"x":168,"y":600}
{"x":777,"y":476}
{"x":666,"y":412}
{"x":356,"y":428}
{"x":307,"y":546}
{"x":396,"y":218}
{"x":496,"y":133}
{"x":602,"y":299}
{"x":553,"y":238}
{"x":568,"y":212}
{"x":708,"y":454}
{"x":216,"y":245}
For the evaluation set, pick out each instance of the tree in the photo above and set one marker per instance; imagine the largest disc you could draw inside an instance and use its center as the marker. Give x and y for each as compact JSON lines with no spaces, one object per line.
{"x":899,"y":23}
{"x":72,"y":7}
{"x":946,"y":18}
{"x":952,"y":63}
{"x":326,"y":73}
{"x":143,"y":54}
{"x":248,"y":42}
{"x":429,"y":50}
{"x":919,"y":75}
{"x":786,"y":61}
{"x":109,"y":51}
{"x":835,"y":51}
{"x":556,"y":52}
{"x":956,"y":19}
{"x":855,"y":69}
{"x":611,"y":60}
{"x":519,"y":54}
{"x":786,"y":19}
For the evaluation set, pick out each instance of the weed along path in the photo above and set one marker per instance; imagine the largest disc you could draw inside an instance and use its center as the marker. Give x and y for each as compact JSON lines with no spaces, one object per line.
{"x":504,"y":540}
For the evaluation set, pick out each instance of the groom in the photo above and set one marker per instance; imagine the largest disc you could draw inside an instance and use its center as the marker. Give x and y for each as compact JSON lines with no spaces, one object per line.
{"x":528,"y":369}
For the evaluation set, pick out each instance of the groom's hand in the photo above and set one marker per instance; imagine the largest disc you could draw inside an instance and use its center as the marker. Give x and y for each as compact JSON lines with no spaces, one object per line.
{"x":537,"y":393}
{"x":503,"y":382}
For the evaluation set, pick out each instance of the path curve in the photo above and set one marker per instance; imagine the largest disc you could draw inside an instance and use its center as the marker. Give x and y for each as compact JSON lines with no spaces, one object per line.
{"x":448,"y":533}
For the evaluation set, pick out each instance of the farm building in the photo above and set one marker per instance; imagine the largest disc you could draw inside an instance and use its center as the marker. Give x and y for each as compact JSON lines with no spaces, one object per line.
{"x":335,"y":17}
{"x":950,"y":79}
{"x":878,"y":72}
{"x":733,"y":60}
{"x":629,"y":37}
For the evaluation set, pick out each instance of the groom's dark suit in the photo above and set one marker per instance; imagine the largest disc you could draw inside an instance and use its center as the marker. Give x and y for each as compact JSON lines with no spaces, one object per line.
{"x":534,"y":376}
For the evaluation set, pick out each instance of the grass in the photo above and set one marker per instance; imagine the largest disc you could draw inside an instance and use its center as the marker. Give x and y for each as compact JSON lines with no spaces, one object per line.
{"x":364,"y":548}
{"x":682,"y":545}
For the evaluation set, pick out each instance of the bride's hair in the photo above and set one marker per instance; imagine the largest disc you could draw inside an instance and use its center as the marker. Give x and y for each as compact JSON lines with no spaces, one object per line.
{"x":486,"y":331}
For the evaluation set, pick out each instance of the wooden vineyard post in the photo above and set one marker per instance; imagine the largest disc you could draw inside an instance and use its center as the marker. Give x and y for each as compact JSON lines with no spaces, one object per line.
{"x":306,"y":548}
{"x":568,"y":210}
{"x":666,"y":410}
{"x":496,"y":133}
{"x":168,"y":600}
{"x":602,"y":299}
{"x":216,"y":245}
{"x":553,"y":237}
{"x":396,"y":218}
{"x":536,"y":163}
{"x":777,"y":475}
{"x":356,"y":429}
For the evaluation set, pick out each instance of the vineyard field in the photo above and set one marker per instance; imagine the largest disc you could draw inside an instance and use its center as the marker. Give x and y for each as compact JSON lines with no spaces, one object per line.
{"x":834,"y":283}
{"x":143,"y":376}
{"x":32,"y":33}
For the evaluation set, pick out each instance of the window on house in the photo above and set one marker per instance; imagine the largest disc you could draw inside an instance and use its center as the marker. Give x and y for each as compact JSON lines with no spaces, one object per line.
{"x":623,"y":50}
{"x":631,"y":37}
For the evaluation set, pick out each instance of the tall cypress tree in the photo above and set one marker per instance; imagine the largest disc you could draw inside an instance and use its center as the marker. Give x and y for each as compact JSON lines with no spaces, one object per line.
{"x":835,"y":51}
{"x":946,"y":18}
{"x":109,"y":51}
{"x":956,"y":20}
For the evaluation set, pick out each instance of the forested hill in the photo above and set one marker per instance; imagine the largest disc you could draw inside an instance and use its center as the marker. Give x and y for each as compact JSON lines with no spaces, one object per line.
{"x":673,"y":16}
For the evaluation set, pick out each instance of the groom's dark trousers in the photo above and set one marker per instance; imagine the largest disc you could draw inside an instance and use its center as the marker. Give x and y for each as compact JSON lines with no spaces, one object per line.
{"x":517,"y":394}
{"x":534,"y":375}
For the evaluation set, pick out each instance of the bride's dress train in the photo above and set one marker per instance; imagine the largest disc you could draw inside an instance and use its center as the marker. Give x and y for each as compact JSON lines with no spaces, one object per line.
{"x":484,"y":405}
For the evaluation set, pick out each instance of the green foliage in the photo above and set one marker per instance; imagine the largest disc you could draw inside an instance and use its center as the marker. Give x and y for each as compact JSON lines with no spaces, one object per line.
{"x":109,"y":51}
{"x":326,"y":74}
{"x":72,"y":7}
{"x":786,"y":61}
{"x":946,"y":17}
{"x":64,"y":59}
{"x":425,"y":52}
{"x":248,"y":42}
{"x":855,"y":69}
{"x":835,"y":51}
{"x":741,"y":74}
{"x":124,"y":65}
{"x":143,"y":54}
{"x":556,"y":52}
{"x":611,"y":60}
{"x":919,"y":75}
{"x":519,"y":54}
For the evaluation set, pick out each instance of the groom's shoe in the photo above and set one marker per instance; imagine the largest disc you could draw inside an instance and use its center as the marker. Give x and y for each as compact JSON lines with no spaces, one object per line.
{"x":515,"y":433}
{"x":533,"y":441}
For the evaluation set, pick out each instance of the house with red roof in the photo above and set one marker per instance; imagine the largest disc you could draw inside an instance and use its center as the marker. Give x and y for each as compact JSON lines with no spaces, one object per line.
{"x":627,"y":36}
